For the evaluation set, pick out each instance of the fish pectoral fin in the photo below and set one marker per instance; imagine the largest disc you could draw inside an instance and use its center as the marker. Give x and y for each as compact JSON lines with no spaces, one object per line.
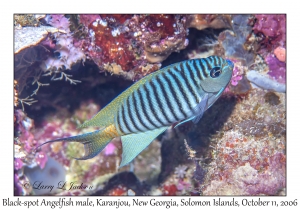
{"x":133,"y":144}
{"x":216,"y":97}
{"x":191,"y":118}
{"x":197,"y":111}
{"x":200,"y":108}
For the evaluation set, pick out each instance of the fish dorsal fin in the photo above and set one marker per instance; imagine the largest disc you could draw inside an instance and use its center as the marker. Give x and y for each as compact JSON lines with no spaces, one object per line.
{"x":197,"y":111}
{"x":106,"y":116}
{"x":133,"y":144}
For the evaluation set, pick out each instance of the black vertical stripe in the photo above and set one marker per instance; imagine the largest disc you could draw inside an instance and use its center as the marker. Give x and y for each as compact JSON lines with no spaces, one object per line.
{"x":204,"y":67}
{"x":119,"y":124}
{"x":156,"y":95}
{"x":192,"y":68}
{"x":123,"y":118}
{"x":187,"y":84}
{"x":208,"y":62}
{"x":219,"y":61}
{"x":167,"y":96}
{"x":197,"y":70}
{"x":184,"y":76}
{"x":152,"y":107}
{"x":131,"y":116}
{"x":181,"y":90}
{"x":213,"y":60}
{"x":137,"y":111}
{"x":171,"y":88}
{"x":144,"y":108}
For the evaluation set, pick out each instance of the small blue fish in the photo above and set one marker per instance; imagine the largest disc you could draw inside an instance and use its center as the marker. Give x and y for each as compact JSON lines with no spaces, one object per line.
{"x":175,"y":94}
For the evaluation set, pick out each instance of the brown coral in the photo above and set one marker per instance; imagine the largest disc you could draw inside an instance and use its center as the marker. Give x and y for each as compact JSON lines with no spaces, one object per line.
{"x":202,"y":21}
{"x":131,"y":42}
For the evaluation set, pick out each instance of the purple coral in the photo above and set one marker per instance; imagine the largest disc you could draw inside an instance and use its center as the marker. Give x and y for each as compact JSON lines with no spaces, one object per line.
{"x":88,"y":19}
{"x":17,"y":186}
{"x":66,"y":51}
{"x":277,"y":69}
{"x":18,"y":163}
{"x":58,"y":21}
{"x":25,"y":126}
{"x":238,"y":71}
{"x":110,"y":149}
{"x":272,"y":180}
{"x":273,"y":29}
{"x":246,"y":166}
{"x":182,"y":185}
{"x":41,"y":159}
{"x":236,"y":77}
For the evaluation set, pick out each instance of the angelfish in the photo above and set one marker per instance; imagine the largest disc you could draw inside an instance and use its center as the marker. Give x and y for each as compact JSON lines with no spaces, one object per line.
{"x":172,"y":95}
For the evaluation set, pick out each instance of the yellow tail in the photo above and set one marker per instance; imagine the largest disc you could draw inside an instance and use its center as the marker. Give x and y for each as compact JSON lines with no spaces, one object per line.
{"x":94,"y":142}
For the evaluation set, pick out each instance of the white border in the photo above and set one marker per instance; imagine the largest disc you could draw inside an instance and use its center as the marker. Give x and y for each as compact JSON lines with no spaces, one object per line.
{"x":8,"y":8}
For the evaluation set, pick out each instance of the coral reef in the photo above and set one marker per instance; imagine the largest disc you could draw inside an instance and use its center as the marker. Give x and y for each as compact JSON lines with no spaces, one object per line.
{"x":21,"y":20}
{"x":272,"y":31}
{"x":44,"y":49}
{"x":237,"y":148}
{"x":29,"y":52}
{"x":138,"y":43}
{"x":201,"y":22}
{"x":25,"y":154}
{"x":66,"y":50}
{"x":237,"y":76}
{"x":249,"y":152}
{"x":128,"y":45}
{"x":234,"y":41}
{"x":279,"y":52}
{"x":27,"y":37}
{"x":277,"y":69}
{"x":271,"y":36}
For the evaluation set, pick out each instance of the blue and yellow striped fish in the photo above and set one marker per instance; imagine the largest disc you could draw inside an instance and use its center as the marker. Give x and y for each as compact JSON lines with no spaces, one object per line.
{"x":175,"y":94}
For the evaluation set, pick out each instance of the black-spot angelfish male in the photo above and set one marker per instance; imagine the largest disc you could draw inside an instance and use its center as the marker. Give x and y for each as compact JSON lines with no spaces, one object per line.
{"x":175,"y":94}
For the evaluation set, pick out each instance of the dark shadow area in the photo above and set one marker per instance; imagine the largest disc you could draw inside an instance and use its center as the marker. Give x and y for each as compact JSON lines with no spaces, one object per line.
{"x":123,"y":181}
{"x":101,"y":88}
{"x":173,"y":152}
{"x":212,"y":122}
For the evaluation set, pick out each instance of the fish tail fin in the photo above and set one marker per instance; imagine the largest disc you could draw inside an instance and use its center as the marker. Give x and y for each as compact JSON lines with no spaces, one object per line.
{"x":94,"y":143}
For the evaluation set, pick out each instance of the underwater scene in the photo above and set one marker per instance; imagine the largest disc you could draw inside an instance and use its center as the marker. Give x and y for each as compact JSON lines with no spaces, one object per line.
{"x":149,"y":104}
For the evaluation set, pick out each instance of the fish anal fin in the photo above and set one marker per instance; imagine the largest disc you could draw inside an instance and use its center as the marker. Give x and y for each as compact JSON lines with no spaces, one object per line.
{"x":134,"y":144}
{"x":200,"y":108}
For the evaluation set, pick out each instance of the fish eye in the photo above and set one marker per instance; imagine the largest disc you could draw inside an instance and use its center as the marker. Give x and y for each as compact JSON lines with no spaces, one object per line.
{"x":215,"y":72}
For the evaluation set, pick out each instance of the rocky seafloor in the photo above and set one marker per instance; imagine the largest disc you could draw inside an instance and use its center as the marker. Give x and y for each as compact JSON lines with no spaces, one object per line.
{"x":68,"y":67}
